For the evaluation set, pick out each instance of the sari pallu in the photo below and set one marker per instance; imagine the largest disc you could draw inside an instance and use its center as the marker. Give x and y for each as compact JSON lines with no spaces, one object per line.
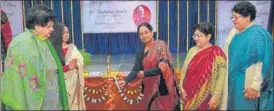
{"x":160,"y":91}
{"x":203,"y":78}
{"x":75,"y":80}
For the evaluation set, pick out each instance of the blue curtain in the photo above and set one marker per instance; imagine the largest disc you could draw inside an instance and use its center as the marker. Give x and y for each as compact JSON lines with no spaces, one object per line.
{"x":111,"y":43}
{"x":57,"y":9}
{"x":77,"y":24}
{"x":162,"y":21}
{"x":212,"y":18}
{"x":128,"y":43}
{"x":203,"y":10}
{"x":67,"y":16}
{"x":173,"y":26}
{"x":192,"y":20}
{"x":182,"y":26}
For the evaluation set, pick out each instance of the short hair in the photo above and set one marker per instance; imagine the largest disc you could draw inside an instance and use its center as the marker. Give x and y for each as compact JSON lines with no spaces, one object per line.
{"x":39,"y":15}
{"x":204,"y":27}
{"x":147,"y":25}
{"x":245,"y":9}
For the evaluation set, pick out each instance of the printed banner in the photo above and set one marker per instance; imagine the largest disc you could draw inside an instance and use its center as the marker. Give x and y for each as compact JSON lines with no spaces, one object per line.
{"x":117,"y":16}
{"x":14,"y":11}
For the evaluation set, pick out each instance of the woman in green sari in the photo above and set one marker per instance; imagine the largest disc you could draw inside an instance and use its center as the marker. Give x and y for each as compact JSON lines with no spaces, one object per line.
{"x":33,"y":77}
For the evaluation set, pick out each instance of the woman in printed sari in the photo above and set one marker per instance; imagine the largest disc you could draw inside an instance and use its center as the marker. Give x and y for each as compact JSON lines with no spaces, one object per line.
{"x":153,"y":65}
{"x":72,"y":65}
{"x":204,"y":72}
{"x":33,"y":77}
{"x":250,"y":69}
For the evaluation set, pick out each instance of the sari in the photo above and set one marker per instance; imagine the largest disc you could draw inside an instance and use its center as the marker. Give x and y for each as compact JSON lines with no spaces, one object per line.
{"x":250,"y":49}
{"x":75,"y":79}
{"x":203,"y":77}
{"x":33,"y":78}
{"x":160,"y":91}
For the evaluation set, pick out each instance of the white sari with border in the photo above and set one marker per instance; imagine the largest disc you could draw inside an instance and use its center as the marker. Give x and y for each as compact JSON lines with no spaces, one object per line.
{"x":75,"y":79}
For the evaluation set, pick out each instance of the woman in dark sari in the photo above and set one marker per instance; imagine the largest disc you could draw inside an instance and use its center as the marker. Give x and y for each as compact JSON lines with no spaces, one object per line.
{"x":153,"y":65}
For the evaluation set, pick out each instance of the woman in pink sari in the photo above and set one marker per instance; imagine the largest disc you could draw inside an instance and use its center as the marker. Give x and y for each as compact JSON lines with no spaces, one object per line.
{"x":153,"y":65}
{"x":204,"y":72}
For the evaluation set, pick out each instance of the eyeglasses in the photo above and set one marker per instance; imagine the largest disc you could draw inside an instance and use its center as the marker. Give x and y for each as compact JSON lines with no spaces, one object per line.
{"x":235,"y":17}
{"x":143,"y":33}
{"x":197,"y":35}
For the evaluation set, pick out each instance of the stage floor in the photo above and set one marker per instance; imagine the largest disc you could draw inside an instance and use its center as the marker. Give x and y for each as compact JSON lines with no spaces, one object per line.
{"x":123,"y":63}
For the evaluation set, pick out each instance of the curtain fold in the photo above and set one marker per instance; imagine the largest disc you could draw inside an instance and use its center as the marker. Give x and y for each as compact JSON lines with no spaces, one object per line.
{"x":67,"y":17}
{"x":212,"y":18}
{"x":162,"y":21}
{"x":173,"y":26}
{"x":183,"y":28}
{"x":203,"y":10}
{"x":77,"y":24}
{"x":192,"y":20}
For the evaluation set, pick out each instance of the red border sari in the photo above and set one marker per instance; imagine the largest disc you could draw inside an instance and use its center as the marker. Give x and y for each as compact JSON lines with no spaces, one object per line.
{"x":197,"y":82}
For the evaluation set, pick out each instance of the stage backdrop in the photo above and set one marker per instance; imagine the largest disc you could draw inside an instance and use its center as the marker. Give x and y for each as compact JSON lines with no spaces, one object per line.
{"x":174,"y":23}
{"x":14,"y":12}
{"x":225,"y":22}
{"x":117,"y":16}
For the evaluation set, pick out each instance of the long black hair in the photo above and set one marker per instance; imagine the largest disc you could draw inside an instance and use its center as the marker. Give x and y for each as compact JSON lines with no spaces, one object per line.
{"x":57,"y":39}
